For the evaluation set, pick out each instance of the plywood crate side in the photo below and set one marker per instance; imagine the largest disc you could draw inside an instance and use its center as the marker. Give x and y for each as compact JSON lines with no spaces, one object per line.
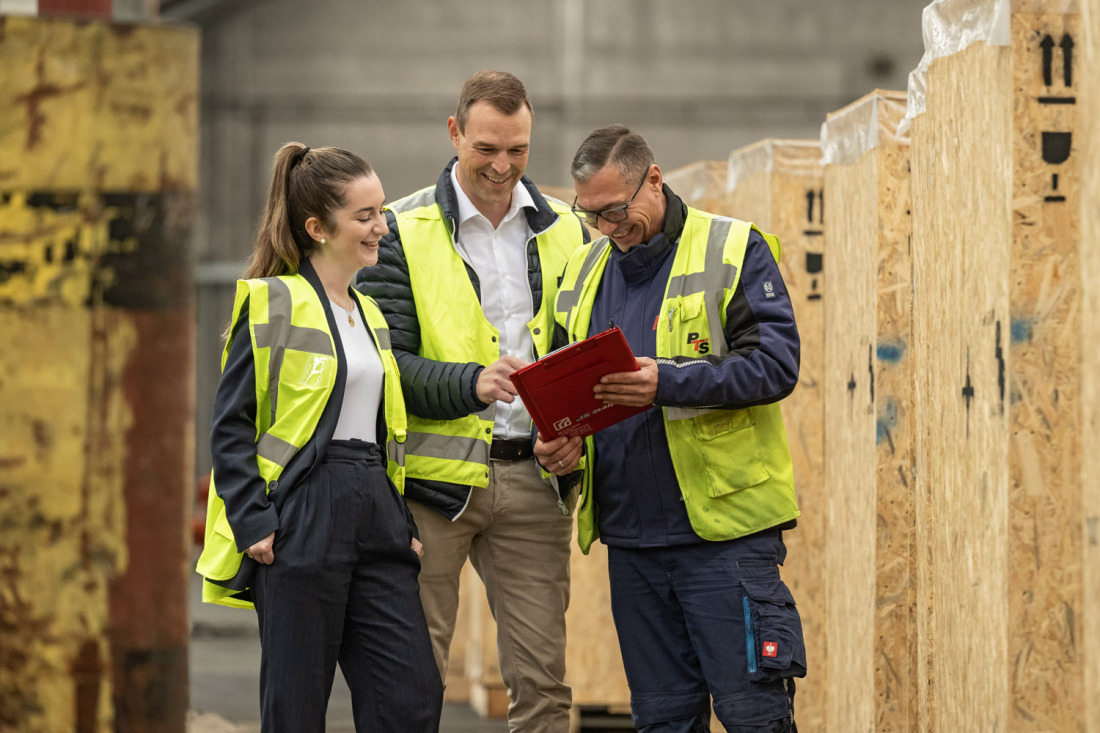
{"x":752,"y":200}
{"x":1088,"y":526}
{"x":701,"y":185}
{"x":1045,"y":602}
{"x":868,"y":399}
{"x":849,"y":430}
{"x":961,"y":171}
{"x":895,"y":675}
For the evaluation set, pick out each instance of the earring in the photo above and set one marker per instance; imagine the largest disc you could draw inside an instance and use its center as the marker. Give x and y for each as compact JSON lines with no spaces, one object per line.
{"x":323,"y":241}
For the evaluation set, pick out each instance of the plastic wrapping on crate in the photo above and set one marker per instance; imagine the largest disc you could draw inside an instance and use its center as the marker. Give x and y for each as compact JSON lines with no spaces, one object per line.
{"x":768,"y":155}
{"x":949,"y":26}
{"x":698,"y":180}
{"x":852,"y":131}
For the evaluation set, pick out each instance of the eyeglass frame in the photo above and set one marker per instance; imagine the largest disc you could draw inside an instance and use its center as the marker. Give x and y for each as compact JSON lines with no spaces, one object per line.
{"x":584,"y":214}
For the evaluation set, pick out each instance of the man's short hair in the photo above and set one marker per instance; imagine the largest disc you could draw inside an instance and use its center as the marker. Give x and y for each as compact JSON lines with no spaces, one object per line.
{"x":503,"y":91}
{"x":614,"y":144}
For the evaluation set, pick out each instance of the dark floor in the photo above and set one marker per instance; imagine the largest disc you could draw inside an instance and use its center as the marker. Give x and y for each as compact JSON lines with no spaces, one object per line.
{"x":225,"y":662}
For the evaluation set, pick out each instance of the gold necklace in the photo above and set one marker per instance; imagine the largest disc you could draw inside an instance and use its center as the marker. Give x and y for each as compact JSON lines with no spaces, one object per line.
{"x":351,"y":321}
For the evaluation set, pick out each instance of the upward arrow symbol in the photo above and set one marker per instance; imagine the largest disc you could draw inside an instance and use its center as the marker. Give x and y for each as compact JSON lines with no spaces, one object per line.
{"x":1067,"y":58}
{"x":1047,"y":44}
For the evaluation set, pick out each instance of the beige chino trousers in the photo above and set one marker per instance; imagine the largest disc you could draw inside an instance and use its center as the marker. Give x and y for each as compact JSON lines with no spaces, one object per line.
{"x":518,"y":541}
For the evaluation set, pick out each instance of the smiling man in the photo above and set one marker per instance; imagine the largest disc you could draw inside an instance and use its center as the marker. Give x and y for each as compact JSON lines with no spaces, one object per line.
{"x":692,"y":496}
{"x":467,"y":278}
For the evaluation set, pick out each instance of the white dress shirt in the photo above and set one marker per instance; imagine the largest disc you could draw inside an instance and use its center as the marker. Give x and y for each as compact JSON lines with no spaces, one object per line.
{"x":499,"y":257}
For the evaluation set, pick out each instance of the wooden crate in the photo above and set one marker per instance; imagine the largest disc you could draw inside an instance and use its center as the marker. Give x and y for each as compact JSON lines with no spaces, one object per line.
{"x":1088,"y":126}
{"x":871,"y":682}
{"x":701,"y":184}
{"x":779,"y":185}
{"x":997,"y":340}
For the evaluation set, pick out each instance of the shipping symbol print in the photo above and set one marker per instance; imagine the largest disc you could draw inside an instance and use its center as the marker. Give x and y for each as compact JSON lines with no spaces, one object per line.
{"x":815,"y":227}
{"x":1056,"y":144}
{"x":771,"y":649}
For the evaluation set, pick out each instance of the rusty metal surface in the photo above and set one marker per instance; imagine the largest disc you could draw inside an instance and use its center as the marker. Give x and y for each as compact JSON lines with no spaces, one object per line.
{"x":98,"y":150}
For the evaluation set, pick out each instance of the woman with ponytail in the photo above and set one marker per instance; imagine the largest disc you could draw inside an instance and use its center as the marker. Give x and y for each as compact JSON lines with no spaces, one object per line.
{"x":305,"y":520}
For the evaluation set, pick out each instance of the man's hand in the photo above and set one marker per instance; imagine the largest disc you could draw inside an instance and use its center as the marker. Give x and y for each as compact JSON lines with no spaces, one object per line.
{"x":263,"y":551}
{"x":561,"y":455}
{"x":636,"y":389}
{"x":493,"y":383}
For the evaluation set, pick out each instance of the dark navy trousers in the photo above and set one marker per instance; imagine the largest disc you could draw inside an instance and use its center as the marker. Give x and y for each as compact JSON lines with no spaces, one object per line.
{"x":343,"y":588}
{"x":709,"y":619}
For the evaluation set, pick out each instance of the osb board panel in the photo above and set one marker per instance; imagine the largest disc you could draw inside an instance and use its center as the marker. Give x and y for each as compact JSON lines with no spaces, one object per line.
{"x":593,"y":662}
{"x":1045,"y":592}
{"x":63,"y":421}
{"x":895,"y":632}
{"x":849,"y":443}
{"x":702,"y":185}
{"x":781,"y":189}
{"x":868,"y":409}
{"x":751,"y":200}
{"x":797,"y":218}
{"x":961,"y":168}
{"x":1088,"y":527}
{"x":92,"y":105}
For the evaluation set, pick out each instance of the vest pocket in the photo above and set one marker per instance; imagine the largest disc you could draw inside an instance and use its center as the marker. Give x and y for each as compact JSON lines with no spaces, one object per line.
{"x":773,"y":632}
{"x":735,"y":462}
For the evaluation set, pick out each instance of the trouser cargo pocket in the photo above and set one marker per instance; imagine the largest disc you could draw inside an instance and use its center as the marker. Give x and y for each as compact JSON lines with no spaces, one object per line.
{"x":773,"y":632}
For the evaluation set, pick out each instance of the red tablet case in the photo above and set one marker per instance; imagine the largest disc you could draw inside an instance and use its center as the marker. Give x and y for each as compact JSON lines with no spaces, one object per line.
{"x":557,"y":389}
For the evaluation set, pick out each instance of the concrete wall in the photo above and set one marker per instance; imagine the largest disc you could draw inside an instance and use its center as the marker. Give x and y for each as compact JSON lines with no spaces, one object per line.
{"x":698,"y":78}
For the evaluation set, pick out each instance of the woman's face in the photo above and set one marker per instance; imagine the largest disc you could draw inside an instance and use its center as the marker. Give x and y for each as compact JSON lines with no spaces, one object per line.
{"x":352,"y":241}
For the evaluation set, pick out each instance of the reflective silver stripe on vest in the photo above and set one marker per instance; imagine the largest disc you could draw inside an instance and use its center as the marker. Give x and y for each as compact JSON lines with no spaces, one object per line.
{"x":686,"y":413}
{"x":423,"y":197}
{"x":448,"y":447}
{"x":278,"y":334}
{"x":396,"y":452}
{"x":568,"y":299}
{"x":712,"y":281}
{"x":275,"y":449}
{"x":383,"y":335}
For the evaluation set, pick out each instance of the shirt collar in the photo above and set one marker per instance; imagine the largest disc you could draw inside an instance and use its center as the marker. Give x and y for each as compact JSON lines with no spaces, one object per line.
{"x":521,"y":198}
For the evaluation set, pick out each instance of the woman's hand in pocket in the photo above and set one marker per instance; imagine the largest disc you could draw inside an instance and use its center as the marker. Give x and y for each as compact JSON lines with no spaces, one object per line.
{"x":263,"y":551}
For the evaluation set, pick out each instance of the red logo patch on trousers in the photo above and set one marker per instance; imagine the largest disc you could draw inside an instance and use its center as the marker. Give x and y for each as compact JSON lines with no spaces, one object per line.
{"x":770,"y":649}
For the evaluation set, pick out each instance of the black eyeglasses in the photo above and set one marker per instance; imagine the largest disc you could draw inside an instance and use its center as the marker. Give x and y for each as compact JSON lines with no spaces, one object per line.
{"x":614,"y":214}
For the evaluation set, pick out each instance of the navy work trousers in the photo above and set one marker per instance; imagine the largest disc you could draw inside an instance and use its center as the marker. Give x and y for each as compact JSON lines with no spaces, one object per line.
{"x":344,"y":588}
{"x":708,"y":620}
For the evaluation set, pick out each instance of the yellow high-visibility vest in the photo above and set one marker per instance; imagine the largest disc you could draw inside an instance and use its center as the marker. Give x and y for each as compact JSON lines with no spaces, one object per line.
{"x":733,"y":466}
{"x":293,"y":349}
{"x":453,"y":328}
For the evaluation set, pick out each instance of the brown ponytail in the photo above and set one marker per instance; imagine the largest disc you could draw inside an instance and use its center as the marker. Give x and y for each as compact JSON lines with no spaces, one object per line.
{"x":305,"y":182}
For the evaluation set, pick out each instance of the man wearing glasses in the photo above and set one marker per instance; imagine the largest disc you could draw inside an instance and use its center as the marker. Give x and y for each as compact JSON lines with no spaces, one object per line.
{"x":690,"y":497}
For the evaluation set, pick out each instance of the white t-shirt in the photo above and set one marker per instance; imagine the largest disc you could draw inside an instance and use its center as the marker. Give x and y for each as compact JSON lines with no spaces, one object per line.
{"x":363,"y":388}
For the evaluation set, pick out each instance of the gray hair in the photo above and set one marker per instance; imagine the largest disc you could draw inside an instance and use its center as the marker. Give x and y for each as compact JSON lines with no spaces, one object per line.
{"x":614,"y":144}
